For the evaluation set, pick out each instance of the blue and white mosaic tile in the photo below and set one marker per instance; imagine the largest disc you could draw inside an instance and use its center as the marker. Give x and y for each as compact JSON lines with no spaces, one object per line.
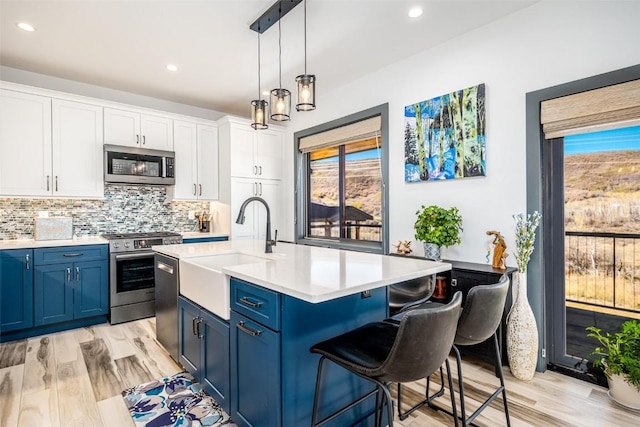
{"x":125,"y":209}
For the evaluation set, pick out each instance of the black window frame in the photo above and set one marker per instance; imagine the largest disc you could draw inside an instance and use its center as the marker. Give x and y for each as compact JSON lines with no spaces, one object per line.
{"x":302,"y":177}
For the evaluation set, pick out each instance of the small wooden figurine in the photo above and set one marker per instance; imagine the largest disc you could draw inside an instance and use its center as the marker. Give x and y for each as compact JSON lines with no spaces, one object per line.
{"x":403,"y":247}
{"x":499,"y":250}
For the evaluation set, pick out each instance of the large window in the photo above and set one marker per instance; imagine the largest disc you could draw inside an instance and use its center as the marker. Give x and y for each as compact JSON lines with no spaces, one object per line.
{"x":342,"y":170}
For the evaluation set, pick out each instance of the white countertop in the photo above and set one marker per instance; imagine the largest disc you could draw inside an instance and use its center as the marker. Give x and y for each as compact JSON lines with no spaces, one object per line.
{"x":312,"y":274}
{"x":31,"y":243}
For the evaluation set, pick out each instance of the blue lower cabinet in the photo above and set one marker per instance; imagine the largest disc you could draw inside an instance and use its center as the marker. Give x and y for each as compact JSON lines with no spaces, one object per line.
{"x":255,"y":373}
{"x":204,"y":349}
{"x":70,"y":283}
{"x":16,"y":289}
{"x":53,"y":294}
{"x":90,"y":289}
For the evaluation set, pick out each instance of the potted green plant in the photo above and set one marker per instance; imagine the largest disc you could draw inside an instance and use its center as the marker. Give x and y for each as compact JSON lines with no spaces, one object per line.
{"x":437,"y":227}
{"x":619,"y":356}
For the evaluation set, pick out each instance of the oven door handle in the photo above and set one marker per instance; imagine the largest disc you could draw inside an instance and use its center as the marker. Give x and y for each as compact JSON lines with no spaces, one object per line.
{"x":134,"y":256}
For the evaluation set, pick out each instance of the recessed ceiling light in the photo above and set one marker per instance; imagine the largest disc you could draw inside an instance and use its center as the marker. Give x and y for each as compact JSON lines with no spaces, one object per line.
{"x":414,"y":12}
{"x":25,"y":26}
{"x":172,"y":67}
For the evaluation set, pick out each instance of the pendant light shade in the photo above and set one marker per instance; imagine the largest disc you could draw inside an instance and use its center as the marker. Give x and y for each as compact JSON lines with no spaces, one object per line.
{"x":306,"y":82}
{"x":259,"y":106}
{"x":280,"y":105}
{"x":306,"y":92}
{"x":280,"y":97}
{"x":259,"y":114}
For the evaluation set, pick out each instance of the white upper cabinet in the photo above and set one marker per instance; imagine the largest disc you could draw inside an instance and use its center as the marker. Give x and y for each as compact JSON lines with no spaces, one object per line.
{"x":196,"y":148}
{"x":255,"y":215}
{"x":25,"y":144}
{"x":49,"y":147}
{"x":255,"y":153}
{"x":123,"y":127}
{"x":77,"y":149}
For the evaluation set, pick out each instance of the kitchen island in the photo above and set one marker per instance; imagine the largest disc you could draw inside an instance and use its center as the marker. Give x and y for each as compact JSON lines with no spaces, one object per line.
{"x":280,"y":305}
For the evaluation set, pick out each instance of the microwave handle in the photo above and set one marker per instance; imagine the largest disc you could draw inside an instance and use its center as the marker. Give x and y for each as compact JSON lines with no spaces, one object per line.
{"x":164,"y":167}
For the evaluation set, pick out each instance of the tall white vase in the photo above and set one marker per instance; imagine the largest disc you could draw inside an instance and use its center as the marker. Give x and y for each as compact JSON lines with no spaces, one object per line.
{"x":522,"y":333}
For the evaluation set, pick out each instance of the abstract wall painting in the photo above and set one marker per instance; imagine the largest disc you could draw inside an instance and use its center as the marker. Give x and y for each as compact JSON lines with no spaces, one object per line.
{"x":444,"y":137}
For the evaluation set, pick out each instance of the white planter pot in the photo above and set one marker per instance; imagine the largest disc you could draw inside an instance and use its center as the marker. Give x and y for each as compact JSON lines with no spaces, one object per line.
{"x":623,"y":392}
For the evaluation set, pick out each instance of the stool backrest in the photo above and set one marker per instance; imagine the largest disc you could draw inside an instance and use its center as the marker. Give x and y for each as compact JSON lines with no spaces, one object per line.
{"x":482,"y":312}
{"x":423,"y":342}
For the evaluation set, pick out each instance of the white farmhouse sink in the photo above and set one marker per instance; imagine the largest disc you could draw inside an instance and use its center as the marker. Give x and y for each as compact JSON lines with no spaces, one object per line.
{"x":203,"y":282}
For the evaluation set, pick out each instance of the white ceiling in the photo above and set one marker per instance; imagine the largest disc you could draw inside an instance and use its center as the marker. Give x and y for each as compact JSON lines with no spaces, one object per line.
{"x":125,"y":44}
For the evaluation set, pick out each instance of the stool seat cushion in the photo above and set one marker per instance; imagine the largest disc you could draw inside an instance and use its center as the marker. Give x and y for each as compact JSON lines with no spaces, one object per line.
{"x":362,"y":350}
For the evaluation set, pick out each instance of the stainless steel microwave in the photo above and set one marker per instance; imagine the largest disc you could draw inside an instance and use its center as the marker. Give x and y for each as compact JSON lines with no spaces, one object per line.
{"x":133,"y":165}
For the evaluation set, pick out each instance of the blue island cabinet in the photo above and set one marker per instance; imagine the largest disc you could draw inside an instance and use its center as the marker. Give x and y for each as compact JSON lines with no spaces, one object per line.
{"x":204,"y":349}
{"x":16,"y":289}
{"x":272,"y":371}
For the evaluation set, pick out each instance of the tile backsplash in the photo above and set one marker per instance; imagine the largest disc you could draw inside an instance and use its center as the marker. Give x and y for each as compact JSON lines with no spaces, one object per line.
{"x":125,"y":208}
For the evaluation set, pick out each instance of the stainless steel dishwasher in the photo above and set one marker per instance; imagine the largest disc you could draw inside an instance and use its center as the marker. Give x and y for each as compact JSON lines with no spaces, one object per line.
{"x":167,"y":288}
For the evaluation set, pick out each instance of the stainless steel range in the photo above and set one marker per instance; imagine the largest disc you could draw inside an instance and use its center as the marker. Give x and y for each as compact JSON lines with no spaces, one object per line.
{"x":131,"y":273}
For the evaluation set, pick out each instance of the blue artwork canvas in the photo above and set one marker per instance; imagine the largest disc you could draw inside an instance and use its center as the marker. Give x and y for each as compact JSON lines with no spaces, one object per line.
{"x":444,"y":137}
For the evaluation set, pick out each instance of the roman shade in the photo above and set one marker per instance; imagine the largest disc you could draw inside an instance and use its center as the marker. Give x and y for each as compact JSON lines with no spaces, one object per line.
{"x":358,"y":131}
{"x":609,"y":107}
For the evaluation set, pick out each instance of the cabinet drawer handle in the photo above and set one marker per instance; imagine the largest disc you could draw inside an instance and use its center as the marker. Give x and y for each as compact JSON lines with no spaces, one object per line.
{"x":27,"y":262}
{"x":246,"y":330}
{"x":77,"y":273}
{"x":245,"y":301}
{"x":68,"y":274}
{"x":71,"y":255}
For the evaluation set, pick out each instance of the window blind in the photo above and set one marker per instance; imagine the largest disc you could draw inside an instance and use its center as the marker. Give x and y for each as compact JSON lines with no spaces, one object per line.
{"x":357,"y":131}
{"x":599,"y":109}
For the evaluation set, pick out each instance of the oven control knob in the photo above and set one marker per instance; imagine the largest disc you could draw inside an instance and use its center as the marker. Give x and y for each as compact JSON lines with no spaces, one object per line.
{"x":143,"y":243}
{"x":116,"y":245}
{"x":126,"y":244}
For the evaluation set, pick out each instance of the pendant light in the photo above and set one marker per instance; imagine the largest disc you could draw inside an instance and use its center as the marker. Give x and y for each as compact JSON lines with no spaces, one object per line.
{"x":306,"y":82}
{"x":259,"y":106}
{"x":280,"y":97}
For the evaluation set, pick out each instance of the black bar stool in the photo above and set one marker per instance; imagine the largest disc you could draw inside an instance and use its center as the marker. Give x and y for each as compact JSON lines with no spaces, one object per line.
{"x":481,"y":316}
{"x":383,"y":352}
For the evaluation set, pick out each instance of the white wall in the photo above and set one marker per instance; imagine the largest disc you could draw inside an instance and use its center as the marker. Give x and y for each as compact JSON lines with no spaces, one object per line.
{"x":547,"y":44}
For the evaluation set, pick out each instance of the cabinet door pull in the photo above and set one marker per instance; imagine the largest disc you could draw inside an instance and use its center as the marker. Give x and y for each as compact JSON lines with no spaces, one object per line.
{"x":246,"y":330}
{"x":27,"y":262}
{"x":194,"y":189}
{"x":193,"y":325}
{"x":260,"y":170}
{"x":47,"y":182}
{"x":137,"y":139}
{"x":144,"y":140}
{"x":261,"y":189}
{"x":200,"y":186}
{"x":56,"y":182}
{"x":200,"y":336}
{"x":255,"y":170}
{"x":245,"y":301}
{"x":72,"y":255}
{"x":255,"y":188}
{"x":77,"y":273}
{"x":68,"y":274}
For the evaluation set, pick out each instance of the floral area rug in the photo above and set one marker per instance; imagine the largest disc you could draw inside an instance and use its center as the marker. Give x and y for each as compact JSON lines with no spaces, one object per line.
{"x":175,"y":401}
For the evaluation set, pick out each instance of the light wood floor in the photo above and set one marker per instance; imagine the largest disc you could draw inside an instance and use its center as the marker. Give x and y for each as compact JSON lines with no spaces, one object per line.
{"x":75,"y":378}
